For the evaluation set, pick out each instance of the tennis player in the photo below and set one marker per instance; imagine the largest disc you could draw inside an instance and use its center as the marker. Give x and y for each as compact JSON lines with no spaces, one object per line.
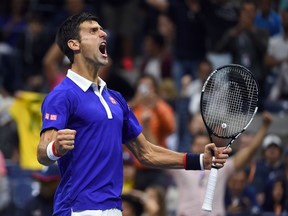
{"x":85,"y":124}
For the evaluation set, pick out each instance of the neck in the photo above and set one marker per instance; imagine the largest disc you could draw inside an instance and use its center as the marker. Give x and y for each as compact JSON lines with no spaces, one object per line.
{"x":87,"y":71}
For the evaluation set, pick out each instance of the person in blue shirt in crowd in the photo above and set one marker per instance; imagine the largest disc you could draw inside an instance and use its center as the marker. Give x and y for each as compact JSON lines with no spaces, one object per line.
{"x":42,"y":204}
{"x":84,"y":124}
{"x":267,"y":18}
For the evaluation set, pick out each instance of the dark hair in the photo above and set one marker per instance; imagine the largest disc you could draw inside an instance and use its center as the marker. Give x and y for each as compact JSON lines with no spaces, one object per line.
{"x":70,"y":30}
{"x":150,"y":77}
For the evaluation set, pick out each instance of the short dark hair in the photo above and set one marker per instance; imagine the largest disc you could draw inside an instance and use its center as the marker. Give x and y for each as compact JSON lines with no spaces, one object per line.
{"x":70,"y":30}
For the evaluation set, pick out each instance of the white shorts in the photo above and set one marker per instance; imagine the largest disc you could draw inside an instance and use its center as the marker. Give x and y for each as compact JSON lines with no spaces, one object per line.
{"x":109,"y":212}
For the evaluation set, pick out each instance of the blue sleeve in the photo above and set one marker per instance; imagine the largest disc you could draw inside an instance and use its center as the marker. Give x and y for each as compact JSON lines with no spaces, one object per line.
{"x":55,"y":111}
{"x":131,"y":126}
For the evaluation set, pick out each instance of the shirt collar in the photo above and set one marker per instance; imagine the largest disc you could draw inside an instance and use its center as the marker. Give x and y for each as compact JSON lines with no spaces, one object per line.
{"x":82,"y":82}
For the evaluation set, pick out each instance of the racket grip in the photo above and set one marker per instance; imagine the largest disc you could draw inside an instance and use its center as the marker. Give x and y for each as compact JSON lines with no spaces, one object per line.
{"x":208,"y":199}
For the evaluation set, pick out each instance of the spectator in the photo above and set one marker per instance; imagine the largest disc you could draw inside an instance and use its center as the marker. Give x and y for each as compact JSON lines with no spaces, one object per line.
{"x":189,"y":41}
{"x":154,"y":204}
{"x":166,"y":28}
{"x":276,"y":61}
{"x":153,"y":200}
{"x":32,"y":54}
{"x":117,"y":80}
{"x":28,"y":126}
{"x":8,"y":129}
{"x":220,"y":16}
{"x":13,"y":24}
{"x":70,"y":7}
{"x":247,"y":44}
{"x":120,"y":19}
{"x":158,"y":121}
{"x":276,"y":198}
{"x":194,"y":89}
{"x":5,"y":193}
{"x":54,"y":63}
{"x":267,"y":18}
{"x":240,"y":197}
{"x":168,"y":91}
{"x":129,"y":174}
{"x":269,"y":166}
{"x":156,"y":60}
{"x":194,"y":127}
{"x":132,"y":205}
{"x":42,"y":204}
{"x":189,"y":102}
{"x":282,"y":4}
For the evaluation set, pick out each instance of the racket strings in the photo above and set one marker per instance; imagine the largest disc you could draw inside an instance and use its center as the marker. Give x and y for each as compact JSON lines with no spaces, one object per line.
{"x":229,"y":101}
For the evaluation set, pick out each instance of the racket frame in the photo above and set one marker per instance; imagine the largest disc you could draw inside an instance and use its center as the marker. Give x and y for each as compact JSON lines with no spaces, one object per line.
{"x":212,"y":181}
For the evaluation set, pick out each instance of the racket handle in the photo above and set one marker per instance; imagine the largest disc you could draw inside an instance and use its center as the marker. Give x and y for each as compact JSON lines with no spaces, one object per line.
{"x":208,"y":200}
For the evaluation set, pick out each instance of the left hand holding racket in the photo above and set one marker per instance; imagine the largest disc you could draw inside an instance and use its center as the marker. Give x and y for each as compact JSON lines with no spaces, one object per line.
{"x":215,"y":156}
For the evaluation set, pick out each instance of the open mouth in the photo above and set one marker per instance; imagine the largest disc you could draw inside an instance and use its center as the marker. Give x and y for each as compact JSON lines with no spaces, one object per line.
{"x":102,"y":48}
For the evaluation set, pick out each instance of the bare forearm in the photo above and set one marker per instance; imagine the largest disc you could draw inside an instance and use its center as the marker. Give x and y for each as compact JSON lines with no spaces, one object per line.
{"x":157,"y":157}
{"x":45,"y":139}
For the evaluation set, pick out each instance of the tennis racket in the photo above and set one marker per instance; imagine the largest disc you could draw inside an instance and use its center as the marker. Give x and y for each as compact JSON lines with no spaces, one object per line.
{"x":228,"y":105}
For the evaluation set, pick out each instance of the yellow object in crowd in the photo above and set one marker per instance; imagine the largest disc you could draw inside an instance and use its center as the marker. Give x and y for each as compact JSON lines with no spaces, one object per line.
{"x":26,"y":112}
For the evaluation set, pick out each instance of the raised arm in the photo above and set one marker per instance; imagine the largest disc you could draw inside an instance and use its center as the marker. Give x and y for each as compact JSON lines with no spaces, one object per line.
{"x":244,"y":155}
{"x":157,"y":157}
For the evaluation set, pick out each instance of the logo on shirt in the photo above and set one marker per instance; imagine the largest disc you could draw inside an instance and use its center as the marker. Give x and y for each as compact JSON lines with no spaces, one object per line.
{"x":52,"y":117}
{"x":47,"y":116}
{"x":112,"y":100}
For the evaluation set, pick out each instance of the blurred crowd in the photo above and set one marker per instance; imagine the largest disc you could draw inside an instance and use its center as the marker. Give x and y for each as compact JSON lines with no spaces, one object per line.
{"x":161,"y":52}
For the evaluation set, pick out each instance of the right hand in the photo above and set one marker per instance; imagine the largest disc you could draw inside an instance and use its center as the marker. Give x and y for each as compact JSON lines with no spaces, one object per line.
{"x":65,"y":140}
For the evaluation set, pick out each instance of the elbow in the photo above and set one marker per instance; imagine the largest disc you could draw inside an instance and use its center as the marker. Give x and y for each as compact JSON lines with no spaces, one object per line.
{"x":44,"y":160}
{"x":143,"y":160}
{"x":147,"y":159}
{"x":41,"y":161}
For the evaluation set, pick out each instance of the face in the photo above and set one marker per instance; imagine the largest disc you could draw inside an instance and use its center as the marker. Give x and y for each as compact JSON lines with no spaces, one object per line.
{"x":196,"y":124}
{"x":145,"y":86}
{"x":265,"y":6}
{"x":272,"y":154}
{"x":204,"y":70}
{"x":92,"y":44}
{"x":237,"y":182}
{"x":247,"y":14}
